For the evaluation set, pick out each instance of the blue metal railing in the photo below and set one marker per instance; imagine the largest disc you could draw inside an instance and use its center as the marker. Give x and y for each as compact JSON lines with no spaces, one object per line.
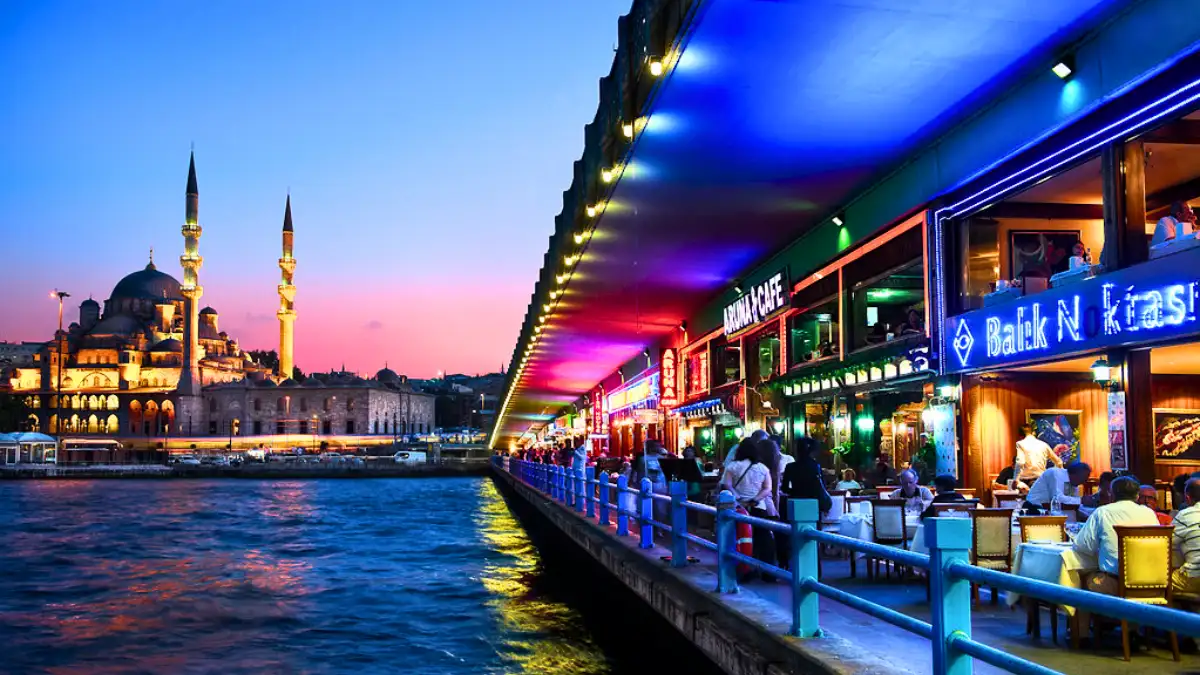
{"x":948,"y":564}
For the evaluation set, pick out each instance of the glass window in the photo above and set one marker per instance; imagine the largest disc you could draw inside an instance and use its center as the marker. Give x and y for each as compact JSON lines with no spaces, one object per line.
{"x":727,"y":362}
{"x":350,"y":426}
{"x":279,"y":427}
{"x":304,"y":426}
{"x":1018,"y":246}
{"x":326,"y":427}
{"x":766,"y":352}
{"x":257,"y":427}
{"x":890,"y":307}
{"x":695,"y":372}
{"x":813,"y":335}
{"x":1172,"y":170}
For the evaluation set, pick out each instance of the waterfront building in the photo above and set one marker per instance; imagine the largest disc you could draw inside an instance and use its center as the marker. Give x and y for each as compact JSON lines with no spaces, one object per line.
{"x":152,"y":370}
{"x":19,"y":353}
{"x":916,"y":289}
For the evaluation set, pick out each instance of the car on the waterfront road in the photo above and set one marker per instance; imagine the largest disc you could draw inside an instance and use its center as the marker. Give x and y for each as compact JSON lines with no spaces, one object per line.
{"x":409,"y":457}
{"x":331,"y":458}
{"x":186,"y":460}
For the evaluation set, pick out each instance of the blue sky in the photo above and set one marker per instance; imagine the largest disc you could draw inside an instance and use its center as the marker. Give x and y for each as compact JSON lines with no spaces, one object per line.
{"x":426,"y":145}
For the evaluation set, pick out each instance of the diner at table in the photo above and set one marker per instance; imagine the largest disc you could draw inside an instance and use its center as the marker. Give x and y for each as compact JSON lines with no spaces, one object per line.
{"x":1057,"y":485}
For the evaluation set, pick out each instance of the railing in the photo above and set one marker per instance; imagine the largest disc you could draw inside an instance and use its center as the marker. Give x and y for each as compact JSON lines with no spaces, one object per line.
{"x":948,"y":564}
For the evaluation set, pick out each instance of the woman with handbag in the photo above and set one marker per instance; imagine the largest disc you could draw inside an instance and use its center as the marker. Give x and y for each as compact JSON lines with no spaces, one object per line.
{"x":749,"y":479}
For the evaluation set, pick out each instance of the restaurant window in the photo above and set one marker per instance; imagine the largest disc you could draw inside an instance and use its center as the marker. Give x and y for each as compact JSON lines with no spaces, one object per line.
{"x":890,"y":307}
{"x":1172,"y":188}
{"x":1050,"y":235}
{"x":813,"y":334}
{"x":766,"y":356}
{"x":695,"y":372}
{"x":727,"y":362}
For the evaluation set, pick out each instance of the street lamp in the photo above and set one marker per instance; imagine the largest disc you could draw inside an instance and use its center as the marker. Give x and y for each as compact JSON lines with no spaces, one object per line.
{"x":61,"y":357}
{"x":314,"y":423}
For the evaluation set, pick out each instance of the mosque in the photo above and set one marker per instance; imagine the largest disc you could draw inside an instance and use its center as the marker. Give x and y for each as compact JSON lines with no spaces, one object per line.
{"x":150,"y":366}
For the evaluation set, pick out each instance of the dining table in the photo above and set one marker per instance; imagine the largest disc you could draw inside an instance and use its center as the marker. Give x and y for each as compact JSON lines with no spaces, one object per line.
{"x":1055,"y":563}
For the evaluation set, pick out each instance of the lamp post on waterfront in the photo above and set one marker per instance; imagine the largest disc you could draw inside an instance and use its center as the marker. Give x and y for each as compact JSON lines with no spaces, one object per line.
{"x":314,"y":426}
{"x":61,"y":357}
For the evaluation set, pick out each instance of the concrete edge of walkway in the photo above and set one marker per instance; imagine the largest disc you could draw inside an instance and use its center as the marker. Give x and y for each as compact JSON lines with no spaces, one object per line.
{"x":742,"y":633}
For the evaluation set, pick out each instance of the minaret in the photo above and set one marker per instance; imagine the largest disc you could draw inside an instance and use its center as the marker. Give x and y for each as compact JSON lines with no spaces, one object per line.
{"x":287,"y":295}
{"x":189,"y":378}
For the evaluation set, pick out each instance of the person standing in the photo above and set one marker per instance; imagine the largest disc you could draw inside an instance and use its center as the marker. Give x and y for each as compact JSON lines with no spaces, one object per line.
{"x":749,"y":479}
{"x":648,"y":466}
{"x":1032,"y":456}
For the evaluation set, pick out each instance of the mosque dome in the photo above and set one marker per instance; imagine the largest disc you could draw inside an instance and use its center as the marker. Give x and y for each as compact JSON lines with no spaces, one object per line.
{"x":207,"y":310}
{"x":120,"y":324}
{"x":168,"y":345}
{"x":386,"y":375}
{"x":147,"y":284}
{"x":89,"y":303}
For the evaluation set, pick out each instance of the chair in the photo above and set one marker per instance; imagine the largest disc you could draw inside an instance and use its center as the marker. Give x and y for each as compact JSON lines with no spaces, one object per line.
{"x":831,"y":520}
{"x":1049,"y":529}
{"x":1144,"y":571}
{"x":882,"y":491}
{"x":1043,"y":528}
{"x":887,"y":529}
{"x":968,"y":493}
{"x":1007,"y":499}
{"x":952,"y":509}
{"x":991,"y":543}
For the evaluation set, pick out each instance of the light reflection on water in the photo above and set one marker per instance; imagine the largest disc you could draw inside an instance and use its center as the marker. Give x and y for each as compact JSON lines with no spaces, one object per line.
{"x":418,"y":576}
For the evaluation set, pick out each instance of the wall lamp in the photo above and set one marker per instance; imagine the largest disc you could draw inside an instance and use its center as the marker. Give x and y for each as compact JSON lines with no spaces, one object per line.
{"x":839,"y":219}
{"x":656,"y":67}
{"x":1102,"y":373}
{"x":1065,"y":68}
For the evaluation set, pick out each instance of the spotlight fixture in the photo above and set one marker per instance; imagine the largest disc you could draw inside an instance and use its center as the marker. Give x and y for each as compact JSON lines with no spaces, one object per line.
{"x":737,"y":288}
{"x":553,"y":294}
{"x":570,"y":260}
{"x":542,"y":319}
{"x":606,"y":175}
{"x":591,"y":210}
{"x":656,"y":67}
{"x":839,"y":219}
{"x":579,"y":237}
{"x":627,"y":129}
{"x":1065,"y":67}
{"x":561,"y":278}
{"x":683,"y":326}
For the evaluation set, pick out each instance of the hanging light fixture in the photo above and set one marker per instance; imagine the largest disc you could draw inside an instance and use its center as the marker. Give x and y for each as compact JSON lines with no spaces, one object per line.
{"x":1102,"y":372}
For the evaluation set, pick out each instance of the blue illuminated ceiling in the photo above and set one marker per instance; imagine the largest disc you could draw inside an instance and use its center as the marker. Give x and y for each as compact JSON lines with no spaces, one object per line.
{"x":777,"y":113}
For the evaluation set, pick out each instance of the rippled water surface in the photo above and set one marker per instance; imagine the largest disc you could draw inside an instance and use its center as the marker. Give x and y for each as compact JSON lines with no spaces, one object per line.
{"x":323,"y":576}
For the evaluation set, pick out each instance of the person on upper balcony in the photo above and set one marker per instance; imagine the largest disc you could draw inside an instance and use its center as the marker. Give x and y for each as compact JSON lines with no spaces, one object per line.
{"x":1032,"y":455}
{"x":1180,"y":222}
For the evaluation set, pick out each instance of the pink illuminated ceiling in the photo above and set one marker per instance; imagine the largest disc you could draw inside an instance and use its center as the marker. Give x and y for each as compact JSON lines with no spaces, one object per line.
{"x":770,"y":122}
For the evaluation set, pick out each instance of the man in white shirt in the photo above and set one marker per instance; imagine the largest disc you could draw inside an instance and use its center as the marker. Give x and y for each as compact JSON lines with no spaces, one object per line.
{"x":1098,"y":539}
{"x":1032,"y":455}
{"x":1186,"y":578}
{"x":1180,"y":222}
{"x":917,"y":498}
{"x":1057,"y":481}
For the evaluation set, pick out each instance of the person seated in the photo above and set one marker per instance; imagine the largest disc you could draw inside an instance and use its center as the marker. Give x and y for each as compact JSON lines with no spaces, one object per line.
{"x":878,"y":333}
{"x":1058,"y":482}
{"x":848,"y":481}
{"x":1148,"y":497}
{"x":1098,"y":539}
{"x":1103,"y":493}
{"x":1186,"y":557}
{"x":1179,"y":493}
{"x":1008,"y":474}
{"x":1180,"y":222}
{"x":915,"y":325}
{"x":945,"y":485}
{"x":916,"y":497}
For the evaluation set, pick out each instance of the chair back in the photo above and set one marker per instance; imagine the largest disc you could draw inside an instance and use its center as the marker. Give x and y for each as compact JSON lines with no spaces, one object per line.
{"x":1144,"y":562}
{"x":968,"y":493}
{"x":838,"y":497}
{"x":954,"y":509}
{"x":887,"y":523}
{"x":1071,"y":511}
{"x":991,"y":538}
{"x":1043,"y":528}
{"x":882,"y":491}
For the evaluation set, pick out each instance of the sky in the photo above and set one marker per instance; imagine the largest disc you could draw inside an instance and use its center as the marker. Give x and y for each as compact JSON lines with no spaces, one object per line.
{"x":425,"y":143}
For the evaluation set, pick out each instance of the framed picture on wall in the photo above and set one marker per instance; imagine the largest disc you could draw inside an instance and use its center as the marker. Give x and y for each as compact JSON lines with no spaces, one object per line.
{"x":1059,"y":429}
{"x":1176,"y":436}
{"x":1040,"y":253}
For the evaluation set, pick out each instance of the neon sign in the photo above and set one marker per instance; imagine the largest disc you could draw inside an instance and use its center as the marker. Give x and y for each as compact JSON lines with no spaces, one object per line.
{"x":1147,"y":303}
{"x":668,"y":394}
{"x":758,"y":304}
{"x":632,"y":394}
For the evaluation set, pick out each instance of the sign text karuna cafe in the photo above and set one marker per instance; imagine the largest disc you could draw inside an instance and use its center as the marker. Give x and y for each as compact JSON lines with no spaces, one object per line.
{"x":1148,"y":303}
{"x":757,"y":304}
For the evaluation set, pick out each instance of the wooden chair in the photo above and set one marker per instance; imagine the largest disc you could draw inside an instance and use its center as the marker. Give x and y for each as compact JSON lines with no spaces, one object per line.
{"x":1144,"y":571}
{"x":887,"y":529}
{"x":1049,"y":529}
{"x":831,"y":520}
{"x":991,"y":543}
{"x":969,"y":493}
{"x":951,"y":509}
{"x":882,"y":491}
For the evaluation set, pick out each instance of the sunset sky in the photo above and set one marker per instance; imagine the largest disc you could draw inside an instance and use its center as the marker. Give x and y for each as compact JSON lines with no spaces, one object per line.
{"x":426,"y":145}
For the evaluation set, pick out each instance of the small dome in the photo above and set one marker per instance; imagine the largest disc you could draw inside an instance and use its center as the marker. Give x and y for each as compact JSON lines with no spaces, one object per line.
{"x":168,"y":345}
{"x":90,"y":303}
{"x":289,"y":383}
{"x":313,"y":383}
{"x":267,"y":382}
{"x":386,"y":375}
{"x":207,"y":311}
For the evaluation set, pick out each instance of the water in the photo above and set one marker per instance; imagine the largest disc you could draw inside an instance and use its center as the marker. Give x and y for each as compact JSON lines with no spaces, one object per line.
{"x":416,"y":576}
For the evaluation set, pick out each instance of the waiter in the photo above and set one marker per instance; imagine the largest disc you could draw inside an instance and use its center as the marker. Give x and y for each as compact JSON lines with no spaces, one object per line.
{"x":1032,"y":455}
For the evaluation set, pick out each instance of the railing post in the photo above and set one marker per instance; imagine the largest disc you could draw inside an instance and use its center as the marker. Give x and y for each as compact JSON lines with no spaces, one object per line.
{"x":589,"y":477}
{"x":622,"y":516}
{"x":803,"y":515}
{"x":726,"y":542}
{"x":646,"y":509}
{"x":603,"y":495}
{"x":949,"y":540}
{"x":679,"y":514}
{"x":564,"y":494}
{"x":580,"y":495}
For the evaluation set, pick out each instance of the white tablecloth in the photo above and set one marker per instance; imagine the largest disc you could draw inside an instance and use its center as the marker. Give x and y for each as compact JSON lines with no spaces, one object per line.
{"x":1053,"y":563}
{"x":858,"y":526}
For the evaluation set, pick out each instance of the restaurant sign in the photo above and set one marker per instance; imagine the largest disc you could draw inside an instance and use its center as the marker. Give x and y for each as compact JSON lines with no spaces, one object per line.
{"x":759,"y":303}
{"x":633,"y":393}
{"x":1148,"y":303}
{"x":668,"y":392}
